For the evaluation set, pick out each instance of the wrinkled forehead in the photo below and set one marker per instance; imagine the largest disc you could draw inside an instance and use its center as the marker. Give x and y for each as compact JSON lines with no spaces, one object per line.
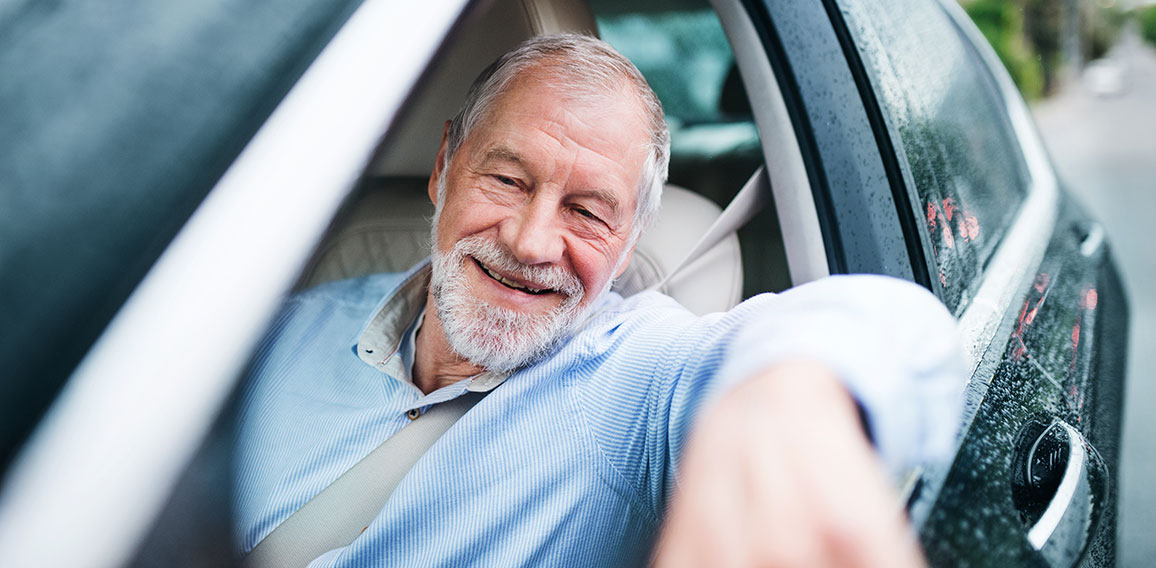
{"x":576,"y":84}
{"x":608,"y":126}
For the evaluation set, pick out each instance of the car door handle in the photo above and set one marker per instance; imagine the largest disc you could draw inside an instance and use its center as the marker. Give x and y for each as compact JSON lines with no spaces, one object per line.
{"x":1090,"y":234}
{"x":1059,"y":487}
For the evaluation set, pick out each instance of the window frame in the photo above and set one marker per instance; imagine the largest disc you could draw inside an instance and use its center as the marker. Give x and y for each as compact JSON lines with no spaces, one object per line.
{"x":802,"y":233}
{"x":855,"y":203}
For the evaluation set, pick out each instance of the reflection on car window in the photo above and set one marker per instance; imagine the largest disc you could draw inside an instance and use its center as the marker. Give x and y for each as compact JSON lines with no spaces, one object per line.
{"x":116,"y":119}
{"x":949,"y":126}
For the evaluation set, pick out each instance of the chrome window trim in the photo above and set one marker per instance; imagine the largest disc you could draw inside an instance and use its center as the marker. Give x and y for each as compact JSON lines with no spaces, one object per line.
{"x":790,"y":186}
{"x":109,"y":451}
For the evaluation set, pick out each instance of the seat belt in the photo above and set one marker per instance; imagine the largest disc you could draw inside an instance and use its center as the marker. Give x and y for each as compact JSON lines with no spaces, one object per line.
{"x":747,"y":202}
{"x":342,"y":511}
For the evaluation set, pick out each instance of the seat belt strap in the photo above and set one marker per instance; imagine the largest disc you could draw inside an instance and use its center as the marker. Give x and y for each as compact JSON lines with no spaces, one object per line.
{"x":747,"y":202}
{"x":342,"y":511}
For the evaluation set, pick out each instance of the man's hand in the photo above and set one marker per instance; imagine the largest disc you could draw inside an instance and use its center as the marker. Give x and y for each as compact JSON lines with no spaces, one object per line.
{"x":780,"y":473}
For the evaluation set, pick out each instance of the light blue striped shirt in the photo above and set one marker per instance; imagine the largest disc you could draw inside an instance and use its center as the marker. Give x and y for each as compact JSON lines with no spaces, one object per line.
{"x":572,"y":460}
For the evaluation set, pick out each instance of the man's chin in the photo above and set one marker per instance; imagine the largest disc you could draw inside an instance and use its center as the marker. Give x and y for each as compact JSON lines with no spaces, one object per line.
{"x":516,"y":329}
{"x":497,"y":355}
{"x":501,"y":340}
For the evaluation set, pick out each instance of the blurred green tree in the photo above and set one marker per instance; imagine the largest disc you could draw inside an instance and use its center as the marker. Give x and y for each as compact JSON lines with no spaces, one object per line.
{"x":1028,"y":36}
{"x":1100,"y":27}
{"x":1043,"y":26}
{"x":1003,"y":24}
{"x":1147,"y":17}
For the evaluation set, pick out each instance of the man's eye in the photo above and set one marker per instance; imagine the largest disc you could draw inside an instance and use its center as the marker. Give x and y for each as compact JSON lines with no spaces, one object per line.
{"x":506,"y":180}
{"x":586,"y":213}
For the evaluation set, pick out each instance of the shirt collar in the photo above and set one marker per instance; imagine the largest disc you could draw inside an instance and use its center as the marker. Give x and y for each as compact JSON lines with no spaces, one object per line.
{"x":388,"y":340}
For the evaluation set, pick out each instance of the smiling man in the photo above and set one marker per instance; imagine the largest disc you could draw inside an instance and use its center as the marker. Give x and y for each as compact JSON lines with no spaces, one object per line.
{"x":540,"y":220}
{"x":582,"y":443}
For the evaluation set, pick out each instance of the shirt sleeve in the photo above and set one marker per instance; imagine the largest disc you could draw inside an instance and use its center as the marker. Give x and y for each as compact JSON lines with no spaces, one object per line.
{"x":892,"y":343}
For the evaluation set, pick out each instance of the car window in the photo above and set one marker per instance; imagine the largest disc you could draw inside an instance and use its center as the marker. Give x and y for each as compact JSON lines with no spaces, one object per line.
{"x":116,"y":120}
{"x":684,"y":54}
{"x":965,"y":172}
{"x":685,"y":57}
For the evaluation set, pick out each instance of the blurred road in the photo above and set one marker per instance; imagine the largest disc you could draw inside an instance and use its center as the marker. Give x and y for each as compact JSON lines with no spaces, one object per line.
{"x":1105,"y":149}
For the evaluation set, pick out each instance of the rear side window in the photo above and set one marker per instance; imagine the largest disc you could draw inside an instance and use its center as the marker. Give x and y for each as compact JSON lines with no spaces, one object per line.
{"x":682,"y":50}
{"x":948,"y":125}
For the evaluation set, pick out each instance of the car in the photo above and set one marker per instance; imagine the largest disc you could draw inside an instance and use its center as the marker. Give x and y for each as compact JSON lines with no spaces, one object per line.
{"x":1104,"y":78}
{"x":173,"y":171}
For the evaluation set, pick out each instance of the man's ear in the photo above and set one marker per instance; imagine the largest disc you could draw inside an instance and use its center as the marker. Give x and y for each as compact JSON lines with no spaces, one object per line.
{"x":625,"y":262}
{"x":439,"y":166}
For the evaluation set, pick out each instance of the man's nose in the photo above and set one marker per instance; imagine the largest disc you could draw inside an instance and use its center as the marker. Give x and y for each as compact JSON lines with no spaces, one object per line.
{"x":534,"y":234}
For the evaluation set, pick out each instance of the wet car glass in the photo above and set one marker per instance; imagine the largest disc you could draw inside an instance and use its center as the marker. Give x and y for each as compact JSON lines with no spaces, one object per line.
{"x":950,"y":131}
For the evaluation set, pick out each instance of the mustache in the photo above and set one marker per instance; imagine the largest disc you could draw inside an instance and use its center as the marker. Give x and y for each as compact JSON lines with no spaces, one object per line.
{"x":497,"y":257}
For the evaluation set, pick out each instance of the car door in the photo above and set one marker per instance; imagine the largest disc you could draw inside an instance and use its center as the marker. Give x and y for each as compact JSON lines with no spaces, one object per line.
{"x":168,"y":172}
{"x":896,"y":131}
{"x":1027,"y":273}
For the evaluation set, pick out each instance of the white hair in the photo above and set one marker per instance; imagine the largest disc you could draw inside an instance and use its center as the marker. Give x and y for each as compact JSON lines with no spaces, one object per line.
{"x":583,"y":66}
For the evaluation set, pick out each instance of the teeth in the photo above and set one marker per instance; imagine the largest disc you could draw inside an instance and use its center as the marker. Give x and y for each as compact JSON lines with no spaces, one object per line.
{"x":509,"y":282}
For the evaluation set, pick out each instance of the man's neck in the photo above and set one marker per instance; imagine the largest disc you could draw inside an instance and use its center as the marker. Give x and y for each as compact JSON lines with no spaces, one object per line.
{"x":435,"y":364}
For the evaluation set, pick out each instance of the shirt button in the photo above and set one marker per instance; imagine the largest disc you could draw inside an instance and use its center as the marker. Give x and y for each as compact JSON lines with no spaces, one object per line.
{"x":413,"y":414}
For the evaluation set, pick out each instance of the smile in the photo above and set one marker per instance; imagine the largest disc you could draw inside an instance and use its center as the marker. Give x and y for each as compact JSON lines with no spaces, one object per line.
{"x":509,"y":283}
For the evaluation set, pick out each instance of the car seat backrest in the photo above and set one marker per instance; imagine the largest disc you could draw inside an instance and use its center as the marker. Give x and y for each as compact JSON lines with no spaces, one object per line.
{"x":387,"y":227}
{"x":388,"y":230}
{"x":484,"y":37}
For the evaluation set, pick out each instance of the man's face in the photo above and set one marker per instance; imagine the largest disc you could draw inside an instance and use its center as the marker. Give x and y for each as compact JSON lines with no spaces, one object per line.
{"x":536,"y":219}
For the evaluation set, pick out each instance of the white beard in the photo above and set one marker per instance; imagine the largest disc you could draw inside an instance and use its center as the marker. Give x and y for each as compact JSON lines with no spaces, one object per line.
{"x":494,"y":338}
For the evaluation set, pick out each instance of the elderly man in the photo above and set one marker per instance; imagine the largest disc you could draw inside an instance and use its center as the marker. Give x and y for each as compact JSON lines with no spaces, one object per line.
{"x":575,"y":455}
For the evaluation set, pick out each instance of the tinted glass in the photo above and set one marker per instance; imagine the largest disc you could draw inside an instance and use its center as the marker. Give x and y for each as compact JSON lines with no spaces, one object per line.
{"x":116,"y":118}
{"x":684,"y":55}
{"x":962,"y":163}
{"x":683,"y":51}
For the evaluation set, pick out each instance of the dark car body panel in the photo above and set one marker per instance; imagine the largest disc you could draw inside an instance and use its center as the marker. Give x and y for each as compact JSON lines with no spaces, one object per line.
{"x":1059,"y":357}
{"x":1058,"y":351}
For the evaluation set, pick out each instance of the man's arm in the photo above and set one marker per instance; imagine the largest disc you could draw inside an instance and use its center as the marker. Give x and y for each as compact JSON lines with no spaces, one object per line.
{"x":780,"y":473}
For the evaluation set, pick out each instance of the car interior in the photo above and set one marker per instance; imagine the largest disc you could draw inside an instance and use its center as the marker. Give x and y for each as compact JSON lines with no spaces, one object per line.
{"x":711,"y":67}
{"x":384,"y":226}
